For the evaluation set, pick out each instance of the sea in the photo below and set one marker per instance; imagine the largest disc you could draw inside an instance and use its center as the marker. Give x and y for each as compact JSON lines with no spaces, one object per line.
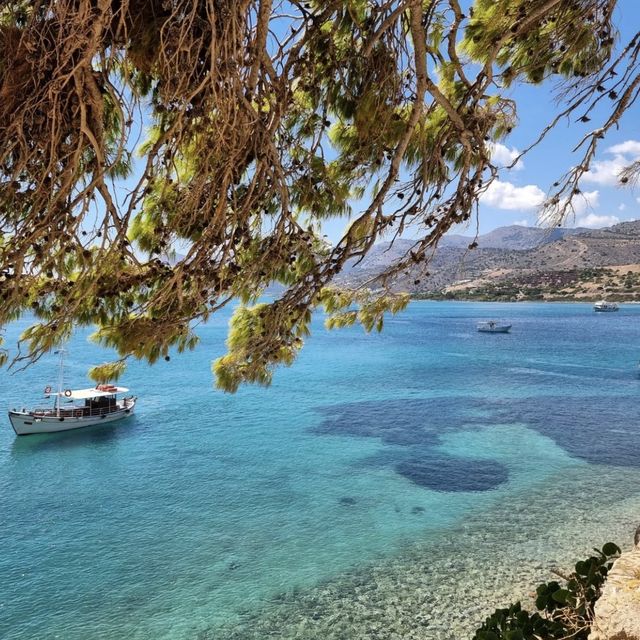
{"x":395,"y":485}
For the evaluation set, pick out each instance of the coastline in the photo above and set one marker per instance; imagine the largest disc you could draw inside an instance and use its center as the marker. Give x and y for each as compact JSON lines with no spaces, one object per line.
{"x":415,"y":298}
{"x":435,"y":298}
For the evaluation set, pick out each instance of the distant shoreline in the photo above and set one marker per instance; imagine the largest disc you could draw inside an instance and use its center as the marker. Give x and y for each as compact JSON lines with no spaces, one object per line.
{"x":434,"y":298}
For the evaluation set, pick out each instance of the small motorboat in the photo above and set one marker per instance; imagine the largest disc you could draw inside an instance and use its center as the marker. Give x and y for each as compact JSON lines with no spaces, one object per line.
{"x":493,"y":327}
{"x":73,"y":409}
{"x":603,"y":305}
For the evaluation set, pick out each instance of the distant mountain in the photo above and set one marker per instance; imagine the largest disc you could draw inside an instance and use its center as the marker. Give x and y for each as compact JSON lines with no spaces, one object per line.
{"x":617,"y":245}
{"x":380,"y":256}
{"x":456,"y":247}
{"x":508,"y":253}
{"x":514,"y":237}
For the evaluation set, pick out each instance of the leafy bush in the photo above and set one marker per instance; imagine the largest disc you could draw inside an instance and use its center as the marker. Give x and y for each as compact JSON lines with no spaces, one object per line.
{"x":563,"y":611}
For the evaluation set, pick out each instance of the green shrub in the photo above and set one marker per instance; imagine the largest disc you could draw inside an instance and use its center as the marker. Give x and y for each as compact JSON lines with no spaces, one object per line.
{"x":563,"y":611}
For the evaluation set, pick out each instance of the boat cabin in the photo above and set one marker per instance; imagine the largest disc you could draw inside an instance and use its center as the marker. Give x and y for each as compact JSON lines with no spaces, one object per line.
{"x":96,"y":401}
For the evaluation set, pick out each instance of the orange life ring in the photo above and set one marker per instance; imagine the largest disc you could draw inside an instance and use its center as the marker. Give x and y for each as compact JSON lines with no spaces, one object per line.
{"x":67,"y":393}
{"x":47,"y":390}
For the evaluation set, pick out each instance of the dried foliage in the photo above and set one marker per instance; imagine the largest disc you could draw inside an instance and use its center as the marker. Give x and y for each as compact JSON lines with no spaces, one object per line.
{"x":260,"y":120}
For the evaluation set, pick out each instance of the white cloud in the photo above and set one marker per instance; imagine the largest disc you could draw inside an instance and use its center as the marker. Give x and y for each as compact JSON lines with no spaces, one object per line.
{"x":503,"y":156}
{"x":628,"y":147}
{"x":522,"y":223}
{"x":638,"y":200}
{"x":585,"y":200}
{"x":594,"y":221}
{"x":622,"y":206}
{"x":607,"y":172}
{"x":504,"y":195}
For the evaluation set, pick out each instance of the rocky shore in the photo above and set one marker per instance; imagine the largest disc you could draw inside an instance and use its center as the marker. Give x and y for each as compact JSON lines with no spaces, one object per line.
{"x":617,"y":612}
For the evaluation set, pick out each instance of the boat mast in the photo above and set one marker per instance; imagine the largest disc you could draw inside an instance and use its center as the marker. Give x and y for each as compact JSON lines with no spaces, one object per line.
{"x":61,"y":352}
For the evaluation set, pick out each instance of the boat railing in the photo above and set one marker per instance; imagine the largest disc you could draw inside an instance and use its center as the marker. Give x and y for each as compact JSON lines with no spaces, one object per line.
{"x":80,"y":412}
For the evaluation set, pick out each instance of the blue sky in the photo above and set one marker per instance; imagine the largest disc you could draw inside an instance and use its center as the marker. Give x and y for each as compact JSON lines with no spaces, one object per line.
{"x":514,"y":199}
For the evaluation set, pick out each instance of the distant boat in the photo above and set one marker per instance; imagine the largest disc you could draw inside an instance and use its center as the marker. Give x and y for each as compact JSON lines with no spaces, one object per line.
{"x":493,"y":327}
{"x":603,"y":305}
{"x":98,"y":405}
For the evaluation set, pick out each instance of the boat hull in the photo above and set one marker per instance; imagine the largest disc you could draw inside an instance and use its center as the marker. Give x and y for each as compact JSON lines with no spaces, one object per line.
{"x":504,"y":329}
{"x":25,"y":423}
{"x":606,"y":310}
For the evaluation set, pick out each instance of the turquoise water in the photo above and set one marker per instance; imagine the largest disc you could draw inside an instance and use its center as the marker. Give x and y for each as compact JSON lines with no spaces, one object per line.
{"x":304,"y":507}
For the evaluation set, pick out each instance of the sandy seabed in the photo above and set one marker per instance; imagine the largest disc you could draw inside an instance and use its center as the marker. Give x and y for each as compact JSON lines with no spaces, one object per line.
{"x":444,"y":589}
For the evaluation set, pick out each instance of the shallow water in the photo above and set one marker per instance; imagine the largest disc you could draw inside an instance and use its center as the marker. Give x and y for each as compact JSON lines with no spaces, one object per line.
{"x":392,"y":485}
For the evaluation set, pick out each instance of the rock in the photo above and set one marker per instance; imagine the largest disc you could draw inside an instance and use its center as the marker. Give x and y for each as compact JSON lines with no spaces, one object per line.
{"x":617,"y":612}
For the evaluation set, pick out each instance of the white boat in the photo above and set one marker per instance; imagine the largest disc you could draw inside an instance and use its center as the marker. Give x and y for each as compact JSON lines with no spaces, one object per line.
{"x":603,"y":305}
{"x":493,"y":327}
{"x":73,"y":409}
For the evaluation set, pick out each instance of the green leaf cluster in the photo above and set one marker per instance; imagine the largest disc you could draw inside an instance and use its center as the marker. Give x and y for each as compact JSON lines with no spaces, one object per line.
{"x":563,"y":611}
{"x":568,"y":40}
{"x":344,"y":307}
{"x":108,"y":371}
{"x":260,"y":338}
